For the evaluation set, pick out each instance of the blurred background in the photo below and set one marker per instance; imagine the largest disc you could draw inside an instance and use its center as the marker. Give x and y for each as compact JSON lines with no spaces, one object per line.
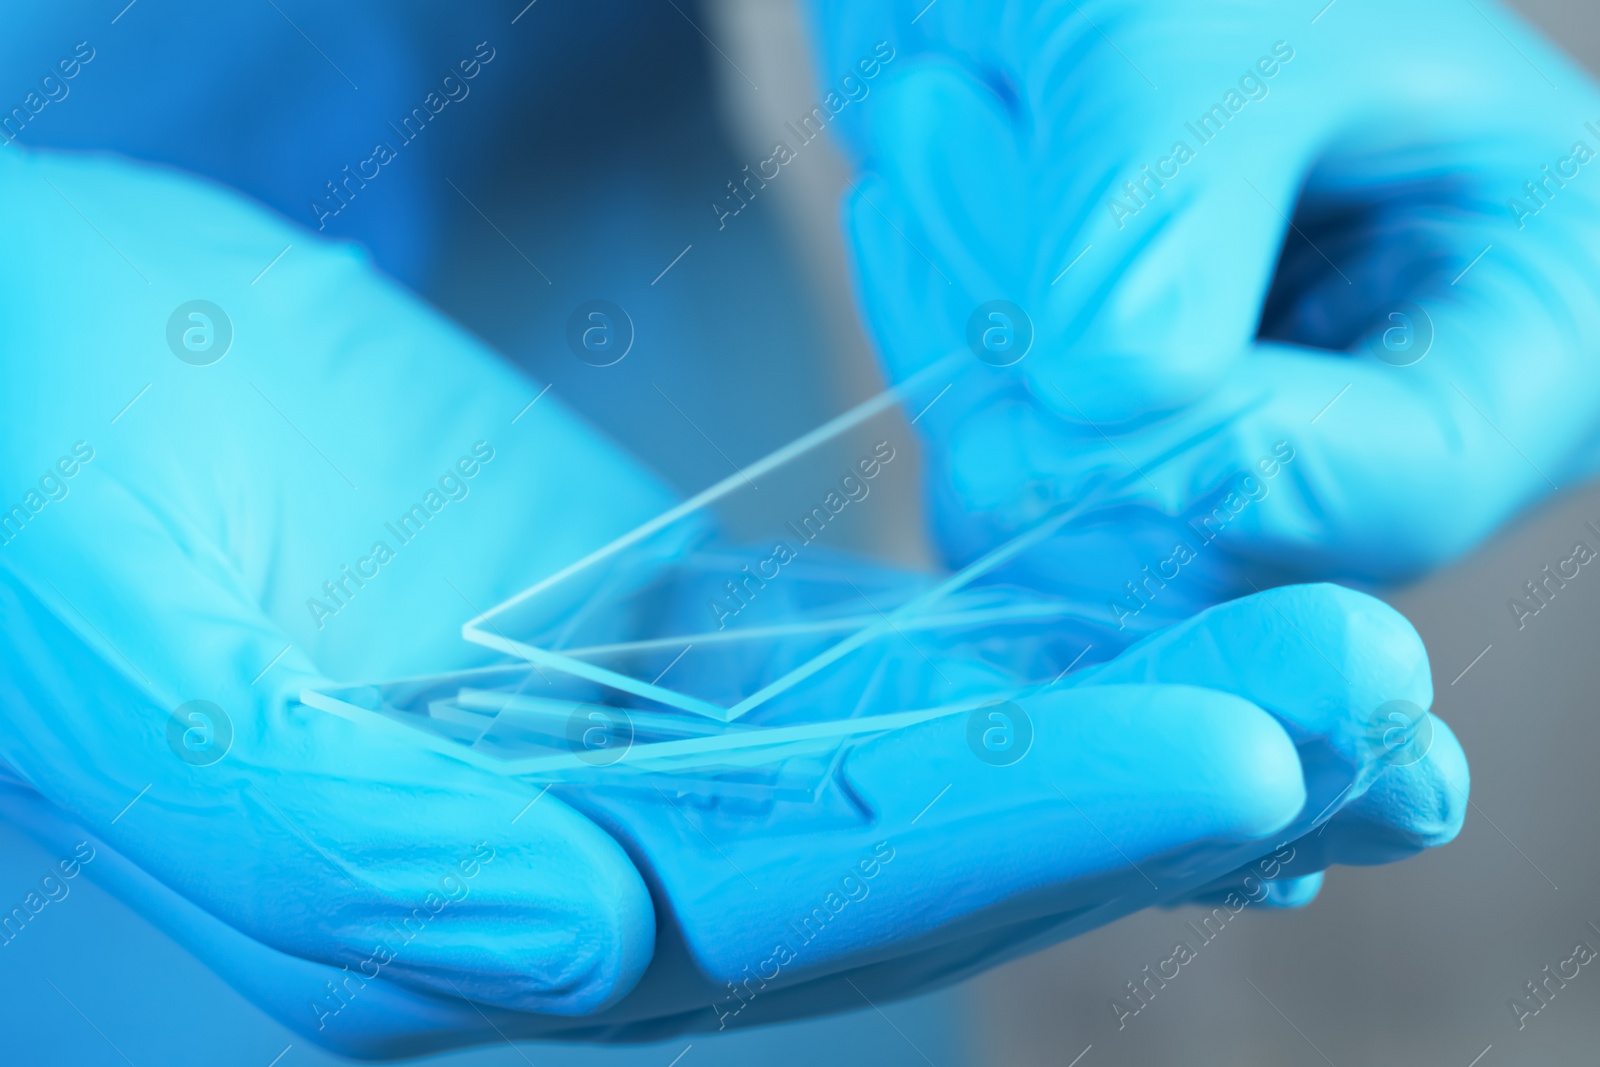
{"x":583,"y":165}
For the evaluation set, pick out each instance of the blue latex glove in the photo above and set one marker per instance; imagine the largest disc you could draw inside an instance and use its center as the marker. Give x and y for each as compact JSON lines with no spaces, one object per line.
{"x":184,"y":486}
{"x":1361,"y":396}
{"x":182,"y":499}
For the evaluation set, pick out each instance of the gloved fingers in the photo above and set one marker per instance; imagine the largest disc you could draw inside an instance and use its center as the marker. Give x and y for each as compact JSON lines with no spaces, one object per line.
{"x":955,"y":156}
{"x":343,"y":1009}
{"x":910,"y":332}
{"x":934,"y":223}
{"x":338,"y":842}
{"x":1310,"y":654}
{"x":1160,"y":314}
{"x":1296,"y":892}
{"x":1367,"y":242}
{"x":1418,"y":802}
{"x":970,"y":197}
{"x":842,"y":33}
{"x":1292,"y":892}
{"x":1321,"y":463}
{"x":1335,"y":666}
{"x":1068,"y":801}
{"x":1378,"y":449}
{"x":1171,"y":208}
{"x":1029,"y":179}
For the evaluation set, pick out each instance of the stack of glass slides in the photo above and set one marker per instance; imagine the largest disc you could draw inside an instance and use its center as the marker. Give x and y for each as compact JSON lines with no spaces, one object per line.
{"x":736,"y":645}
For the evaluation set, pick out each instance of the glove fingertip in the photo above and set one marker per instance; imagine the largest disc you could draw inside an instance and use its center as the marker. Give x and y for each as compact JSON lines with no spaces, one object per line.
{"x":1259,"y":763}
{"x":895,"y":285}
{"x":1293,"y":892}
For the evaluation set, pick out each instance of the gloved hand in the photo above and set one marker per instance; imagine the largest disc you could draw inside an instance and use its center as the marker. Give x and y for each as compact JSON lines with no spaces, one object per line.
{"x":1323,"y":283}
{"x":313,"y":479}
{"x":304,"y":476}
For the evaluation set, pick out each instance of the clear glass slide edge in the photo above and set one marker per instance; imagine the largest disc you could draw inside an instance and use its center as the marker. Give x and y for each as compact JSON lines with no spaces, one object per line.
{"x":706,"y":756}
{"x":487,"y":629}
{"x":722,"y":752}
{"x":860,"y":631}
{"x":481,"y":627}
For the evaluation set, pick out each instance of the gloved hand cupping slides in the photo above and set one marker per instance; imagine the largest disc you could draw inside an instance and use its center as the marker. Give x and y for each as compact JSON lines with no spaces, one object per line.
{"x":222,"y":480}
{"x":1339,"y":322}
{"x":245,"y":457}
